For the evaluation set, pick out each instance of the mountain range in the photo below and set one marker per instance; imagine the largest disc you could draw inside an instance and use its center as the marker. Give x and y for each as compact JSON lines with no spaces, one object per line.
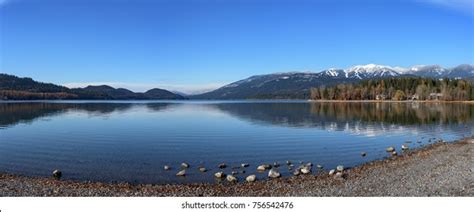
{"x":296,"y":85}
{"x":291,"y":85}
{"x":13,"y":87}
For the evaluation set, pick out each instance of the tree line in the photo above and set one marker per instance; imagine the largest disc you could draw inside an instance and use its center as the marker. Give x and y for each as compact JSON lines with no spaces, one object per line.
{"x":406,"y":88}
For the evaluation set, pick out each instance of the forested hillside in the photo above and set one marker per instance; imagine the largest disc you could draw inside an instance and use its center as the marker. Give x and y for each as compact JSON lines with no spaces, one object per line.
{"x":413,"y":88}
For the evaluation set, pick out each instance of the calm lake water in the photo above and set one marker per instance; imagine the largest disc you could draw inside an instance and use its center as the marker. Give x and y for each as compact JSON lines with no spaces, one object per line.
{"x":132,"y":141}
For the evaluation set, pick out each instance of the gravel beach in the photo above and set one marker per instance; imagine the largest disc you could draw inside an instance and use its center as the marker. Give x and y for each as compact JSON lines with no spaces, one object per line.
{"x":441,"y":169}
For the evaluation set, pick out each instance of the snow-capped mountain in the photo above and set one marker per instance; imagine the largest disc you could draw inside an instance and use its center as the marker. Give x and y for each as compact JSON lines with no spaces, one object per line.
{"x":297,"y":84}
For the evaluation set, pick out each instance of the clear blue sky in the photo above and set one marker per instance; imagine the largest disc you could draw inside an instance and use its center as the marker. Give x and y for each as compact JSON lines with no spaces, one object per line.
{"x":196,"y":44}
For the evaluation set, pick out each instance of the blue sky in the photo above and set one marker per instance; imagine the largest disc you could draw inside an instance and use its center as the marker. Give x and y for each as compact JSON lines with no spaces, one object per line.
{"x":202,"y":44}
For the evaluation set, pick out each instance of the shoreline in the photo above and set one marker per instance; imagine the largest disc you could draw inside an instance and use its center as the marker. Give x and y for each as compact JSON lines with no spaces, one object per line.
{"x":439,"y":169}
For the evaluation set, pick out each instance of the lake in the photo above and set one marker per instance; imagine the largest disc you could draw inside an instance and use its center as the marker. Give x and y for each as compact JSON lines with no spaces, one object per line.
{"x":131,"y":141}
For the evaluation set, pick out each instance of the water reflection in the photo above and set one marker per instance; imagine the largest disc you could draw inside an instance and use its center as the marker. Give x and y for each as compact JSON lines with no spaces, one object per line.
{"x":290,"y":114}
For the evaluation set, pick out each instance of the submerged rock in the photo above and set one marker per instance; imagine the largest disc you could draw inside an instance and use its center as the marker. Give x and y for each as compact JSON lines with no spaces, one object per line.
{"x":273,"y":173}
{"x":185,"y":165}
{"x":222,"y":166}
{"x":57,"y":174}
{"x":181,"y":173}
{"x":231,"y":178}
{"x":219,"y":175}
{"x":340,"y":168}
{"x":251,"y":178}
{"x":390,"y":149}
{"x":202,"y":169}
{"x":166,"y":168}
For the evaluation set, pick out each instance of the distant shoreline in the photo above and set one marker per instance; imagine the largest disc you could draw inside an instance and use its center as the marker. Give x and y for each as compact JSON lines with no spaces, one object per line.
{"x":263,"y":100}
{"x":396,"y":101}
{"x":439,"y":169}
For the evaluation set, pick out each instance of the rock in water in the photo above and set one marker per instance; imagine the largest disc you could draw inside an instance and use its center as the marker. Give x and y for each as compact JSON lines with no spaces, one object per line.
{"x":181,"y":173}
{"x":57,"y":174}
{"x":276,"y":164}
{"x":166,"y":168}
{"x":288,"y":162}
{"x":390,"y":149}
{"x":202,"y":169}
{"x":363,"y":154}
{"x":340,"y":168}
{"x":244,"y":165}
{"x":234,"y":172}
{"x":222,"y":166}
{"x":405,"y":147}
{"x":394,"y":153}
{"x":309,"y":165}
{"x":319,"y":166}
{"x":219,"y":175}
{"x":297,"y":172}
{"x":264,"y":167}
{"x":273,"y":174}
{"x":332,"y":171}
{"x":306,"y":170}
{"x":231,"y":178}
{"x":251,"y":178}
{"x":185,"y":165}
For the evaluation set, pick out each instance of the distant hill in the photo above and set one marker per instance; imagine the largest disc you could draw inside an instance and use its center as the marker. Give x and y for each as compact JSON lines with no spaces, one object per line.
{"x":16,"y":88}
{"x":296,"y":85}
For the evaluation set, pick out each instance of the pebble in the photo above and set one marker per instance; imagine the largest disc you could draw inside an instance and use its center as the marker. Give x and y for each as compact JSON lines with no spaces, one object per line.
{"x":273,"y":174}
{"x":222,"y":166}
{"x":338,"y":175}
{"x":231,"y":178}
{"x":244,"y":165}
{"x":57,"y":174}
{"x":251,"y":178}
{"x":219,"y":175}
{"x":390,"y":149}
{"x":166,"y":168}
{"x":202,"y":169}
{"x":340,"y":168}
{"x":181,"y":173}
{"x":185,"y":165}
{"x":332,"y":171}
